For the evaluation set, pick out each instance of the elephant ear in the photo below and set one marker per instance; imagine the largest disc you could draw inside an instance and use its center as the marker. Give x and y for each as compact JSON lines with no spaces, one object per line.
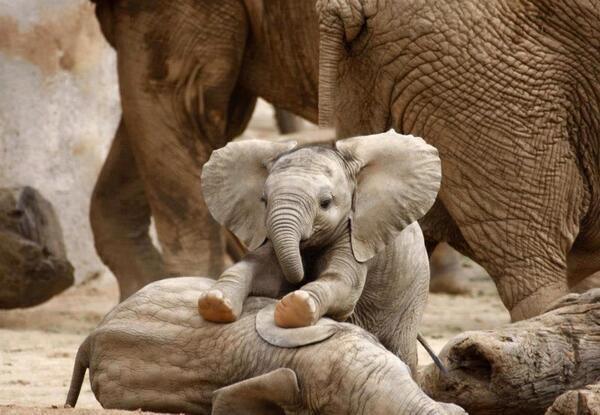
{"x":270,"y":332}
{"x":233,"y":180}
{"x":397,"y":182}
{"x":266,"y":394}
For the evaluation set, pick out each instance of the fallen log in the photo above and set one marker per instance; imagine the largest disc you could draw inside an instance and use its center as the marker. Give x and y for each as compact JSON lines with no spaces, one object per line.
{"x":33,"y":262}
{"x":523,"y":367}
{"x":584,"y":401}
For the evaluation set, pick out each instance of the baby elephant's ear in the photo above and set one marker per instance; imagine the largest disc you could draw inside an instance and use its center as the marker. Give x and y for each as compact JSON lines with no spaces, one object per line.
{"x":233,"y":180}
{"x":397,"y":182}
{"x":267,"y":394}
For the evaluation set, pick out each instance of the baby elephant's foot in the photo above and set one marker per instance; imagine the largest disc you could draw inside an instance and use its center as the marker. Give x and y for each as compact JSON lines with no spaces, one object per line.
{"x":213,"y":306}
{"x":297,"y":309}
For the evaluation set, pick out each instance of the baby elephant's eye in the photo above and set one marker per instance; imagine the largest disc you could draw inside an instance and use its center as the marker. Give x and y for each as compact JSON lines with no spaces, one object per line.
{"x":263,"y":199}
{"x":325,"y":203}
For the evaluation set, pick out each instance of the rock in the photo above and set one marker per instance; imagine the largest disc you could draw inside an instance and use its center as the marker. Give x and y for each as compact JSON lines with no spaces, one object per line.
{"x":33,"y":261}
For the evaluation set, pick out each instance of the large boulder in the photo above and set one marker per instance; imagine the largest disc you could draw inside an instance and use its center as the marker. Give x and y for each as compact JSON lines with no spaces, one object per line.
{"x":33,"y":261}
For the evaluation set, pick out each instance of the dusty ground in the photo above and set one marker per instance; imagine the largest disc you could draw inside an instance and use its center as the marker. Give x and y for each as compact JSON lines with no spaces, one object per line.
{"x":38,"y":345}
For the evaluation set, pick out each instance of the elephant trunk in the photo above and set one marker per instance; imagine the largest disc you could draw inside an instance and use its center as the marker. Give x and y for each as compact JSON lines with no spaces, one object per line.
{"x":285,"y":225}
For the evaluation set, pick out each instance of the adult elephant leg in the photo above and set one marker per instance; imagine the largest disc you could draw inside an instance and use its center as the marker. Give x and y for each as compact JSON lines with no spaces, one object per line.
{"x":520,"y":221}
{"x":120,"y":219}
{"x":444,"y":257}
{"x":287,"y":122}
{"x":178,"y":67}
{"x":446,"y":270}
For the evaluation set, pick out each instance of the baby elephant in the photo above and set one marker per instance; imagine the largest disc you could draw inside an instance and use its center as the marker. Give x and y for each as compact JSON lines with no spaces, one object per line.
{"x":333,"y":217}
{"x":154,"y":352}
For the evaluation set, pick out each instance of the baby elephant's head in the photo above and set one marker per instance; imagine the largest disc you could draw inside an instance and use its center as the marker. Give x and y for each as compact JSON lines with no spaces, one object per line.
{"x":376,"y":185}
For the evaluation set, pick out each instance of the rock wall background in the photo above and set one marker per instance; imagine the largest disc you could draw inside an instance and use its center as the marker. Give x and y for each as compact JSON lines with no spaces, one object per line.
{"x":59,"y":108}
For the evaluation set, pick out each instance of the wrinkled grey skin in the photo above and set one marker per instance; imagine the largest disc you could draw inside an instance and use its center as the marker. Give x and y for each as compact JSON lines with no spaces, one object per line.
{"x":339,"y":219}
{"x":154,"y":352}
{"x":190,"y":72}
{"x":508,"y":92}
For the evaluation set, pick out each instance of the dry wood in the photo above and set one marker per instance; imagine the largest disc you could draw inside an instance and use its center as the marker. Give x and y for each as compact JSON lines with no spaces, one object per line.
{"x":584,"y":401}
{"x":523,"y":367}
{"x":33,"y":263}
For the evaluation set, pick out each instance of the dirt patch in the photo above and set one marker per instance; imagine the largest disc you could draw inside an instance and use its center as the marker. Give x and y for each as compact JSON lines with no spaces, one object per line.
{"x":19,"y":410}
{"x":38,"y":345}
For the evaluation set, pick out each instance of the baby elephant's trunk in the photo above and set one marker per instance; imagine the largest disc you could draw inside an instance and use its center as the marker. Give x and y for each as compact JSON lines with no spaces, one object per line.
{"x":81,"y":365}
{"x":284,"y":223}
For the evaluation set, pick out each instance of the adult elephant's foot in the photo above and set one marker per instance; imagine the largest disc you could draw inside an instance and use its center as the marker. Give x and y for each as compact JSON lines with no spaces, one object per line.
{"x":538,"y":302}
{"x":214,"y":306}
{"x":297,"y":309}
{"x":446,"y":272}
{"x":449,"y":283}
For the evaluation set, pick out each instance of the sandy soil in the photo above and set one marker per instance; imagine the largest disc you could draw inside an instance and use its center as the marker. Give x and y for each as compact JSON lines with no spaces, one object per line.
{"x":38,"y":345}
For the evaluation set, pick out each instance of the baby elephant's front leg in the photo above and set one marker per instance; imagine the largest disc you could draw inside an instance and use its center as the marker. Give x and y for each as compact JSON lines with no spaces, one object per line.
{"x":224,"y":301}
{"x":333,"y":294}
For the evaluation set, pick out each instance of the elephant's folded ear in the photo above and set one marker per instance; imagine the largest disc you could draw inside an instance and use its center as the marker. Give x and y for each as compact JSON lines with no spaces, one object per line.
{"x":397,"y":182}
{"x":290,"y":338}
{"x":267,"y":394}
{"x":233,"y":181}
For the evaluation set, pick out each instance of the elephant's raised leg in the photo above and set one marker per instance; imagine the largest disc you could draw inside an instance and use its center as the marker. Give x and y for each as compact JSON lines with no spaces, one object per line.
{"x":178,"y":88}
{"x":258,"y":272}
{"x":120,"y":219}
{"x":335,"y":293}
{"x":522,"y":226}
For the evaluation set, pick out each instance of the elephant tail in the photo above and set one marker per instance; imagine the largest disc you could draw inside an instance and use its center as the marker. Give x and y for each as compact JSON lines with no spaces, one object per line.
{"x":255,"y":9}
{"x":82,"y":360}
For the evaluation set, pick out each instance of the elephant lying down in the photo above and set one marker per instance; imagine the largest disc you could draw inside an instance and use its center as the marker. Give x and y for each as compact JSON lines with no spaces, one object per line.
{"x":155,"y":352}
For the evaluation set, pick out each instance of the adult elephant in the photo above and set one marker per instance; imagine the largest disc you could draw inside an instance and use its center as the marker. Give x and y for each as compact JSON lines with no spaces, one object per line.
{"x":509,"y":93}
{"x":213,"y":67}
{"x":190,"y":72}
{"x":506,"y":91}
